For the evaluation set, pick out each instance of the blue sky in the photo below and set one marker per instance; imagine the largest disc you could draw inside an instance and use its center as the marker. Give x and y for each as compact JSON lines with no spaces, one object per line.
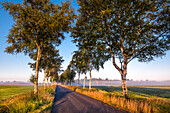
{"x":15,"y":67}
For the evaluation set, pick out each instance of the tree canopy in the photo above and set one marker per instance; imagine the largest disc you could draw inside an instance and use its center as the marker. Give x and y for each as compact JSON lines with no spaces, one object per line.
{"x":32,"y":78}
{"x":67,"y":75}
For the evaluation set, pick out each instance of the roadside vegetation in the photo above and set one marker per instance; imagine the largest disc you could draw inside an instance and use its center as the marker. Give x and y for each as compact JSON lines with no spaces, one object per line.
{"x":25,"y":101}
{"x":141,"y":99}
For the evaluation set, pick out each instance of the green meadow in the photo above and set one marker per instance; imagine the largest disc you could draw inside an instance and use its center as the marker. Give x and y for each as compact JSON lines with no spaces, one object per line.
{"x":21,"y":99}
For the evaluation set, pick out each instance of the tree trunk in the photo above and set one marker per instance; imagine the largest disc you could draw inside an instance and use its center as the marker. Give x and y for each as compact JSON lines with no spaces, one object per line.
{"x":90,"y":80}
{"x":44,"y":83}
{"x":124,"y":87}
{"x":49,"y":74}
{"x":65,"y":82}
{"x":123,"y":73}
{"x":70,"y":83}
{"x":123,"y":76}
{"x":84,"y":81}
{"x":44,"y":77}
{"x":78,"y":78}
{"x":47,"y":82}
{"x":52,"y":81}
{"x":37,"y":70}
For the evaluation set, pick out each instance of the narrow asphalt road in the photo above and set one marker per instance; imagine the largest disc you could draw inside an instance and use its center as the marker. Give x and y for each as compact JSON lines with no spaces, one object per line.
{"x":68,"y":101}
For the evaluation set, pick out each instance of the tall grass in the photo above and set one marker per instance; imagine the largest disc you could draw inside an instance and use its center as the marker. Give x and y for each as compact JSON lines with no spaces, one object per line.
{"x":134,"y":105}
{"x":29,"y":102}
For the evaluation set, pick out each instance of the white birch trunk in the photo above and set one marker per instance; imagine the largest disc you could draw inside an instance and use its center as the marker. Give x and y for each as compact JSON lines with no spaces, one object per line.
{"x":84,"y":84}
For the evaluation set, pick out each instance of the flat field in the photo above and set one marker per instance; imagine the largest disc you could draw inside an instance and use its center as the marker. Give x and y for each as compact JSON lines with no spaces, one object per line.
{"x":154,"y":92}
{"x":9,"y":91}
{"x":21,"y":98}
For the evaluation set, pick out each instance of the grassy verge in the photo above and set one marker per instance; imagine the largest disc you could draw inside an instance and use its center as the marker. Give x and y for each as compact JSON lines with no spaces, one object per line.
{"x":28,"y":102}
{"x":134,"y":103}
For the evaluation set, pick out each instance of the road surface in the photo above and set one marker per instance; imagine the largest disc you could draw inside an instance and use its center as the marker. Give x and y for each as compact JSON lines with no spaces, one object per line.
{"x":68,"y":101}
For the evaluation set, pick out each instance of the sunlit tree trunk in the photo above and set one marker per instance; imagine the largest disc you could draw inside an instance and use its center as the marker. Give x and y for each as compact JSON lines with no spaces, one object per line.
{"x":52,"y":81}
{"x":49,"y":74}
{"x":47,"y":82}
{"x":122,"y":71}
{"x":78,"y":78}
{"x":90,"y":80}
{"x":71,"y":82}
{"x":37,"y":70}
{"x":44,"y":76}
{"x":123,"y":81}
{"x":84,"y":84}
{"x":124,"y":87}
{"x":44,"y":83}
{"x":65,"y":82}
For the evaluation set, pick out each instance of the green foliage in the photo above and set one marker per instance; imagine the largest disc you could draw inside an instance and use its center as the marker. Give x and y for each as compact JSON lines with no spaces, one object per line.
{"x":79,"y":62}
{"x":67,"y":75}
{"x":125,"y":29}
{"x":50,"y":62}
{"x":37,"y":23}
{"x":32,"y":78}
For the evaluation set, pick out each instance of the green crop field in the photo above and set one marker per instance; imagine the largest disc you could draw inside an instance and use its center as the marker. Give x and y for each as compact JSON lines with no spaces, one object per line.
{"x":21,"y":98}
{"x":155,"y":92}
{"x":9,"y":91}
